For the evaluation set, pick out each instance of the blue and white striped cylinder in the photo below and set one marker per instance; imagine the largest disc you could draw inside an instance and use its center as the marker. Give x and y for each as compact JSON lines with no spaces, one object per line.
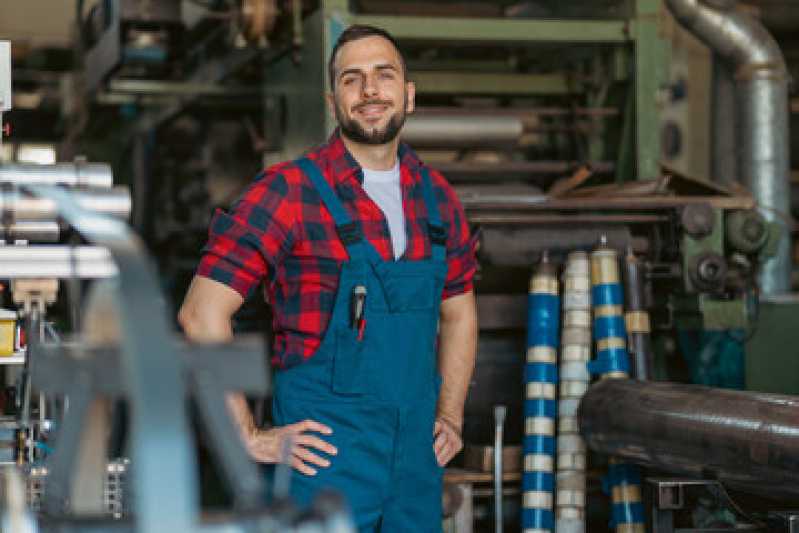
{"x":612,"y":361}
{"x":575,"y":353}
{"x":540,"y":407}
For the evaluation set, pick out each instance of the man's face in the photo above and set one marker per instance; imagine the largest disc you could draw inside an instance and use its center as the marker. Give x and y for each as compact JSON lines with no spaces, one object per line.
{"x":370,"y":97}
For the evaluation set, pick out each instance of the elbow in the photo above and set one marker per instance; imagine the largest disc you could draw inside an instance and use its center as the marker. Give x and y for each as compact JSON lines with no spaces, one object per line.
{"x":188,"y":318}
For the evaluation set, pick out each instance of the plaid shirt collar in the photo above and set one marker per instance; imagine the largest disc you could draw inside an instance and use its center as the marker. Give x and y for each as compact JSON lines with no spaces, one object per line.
{"x":341,"y":165}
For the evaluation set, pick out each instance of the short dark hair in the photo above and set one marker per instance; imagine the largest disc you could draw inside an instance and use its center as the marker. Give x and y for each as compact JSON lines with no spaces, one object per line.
{"x":355,"y":33}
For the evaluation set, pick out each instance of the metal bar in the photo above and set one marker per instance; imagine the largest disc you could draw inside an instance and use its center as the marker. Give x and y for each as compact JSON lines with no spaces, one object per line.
{"x":637,"y":319}
{"x":175,"y":88}
{"x":163,"y":456}
{"x":491,"y":219}
{"x":490,"y":83}
{"x":62,"y":461}
{"x":52,"y":261}
{"x":500,"y":30}
{"x":109,"y":201}
{"x":746,"y":439}
{"x":462,"y":130}
{"x":34,"y":231}
{"x":651,"y":67}
{"x":521,"y":167}
{"x":71,"y":174}
{"x":523,"y":112}
{"x":641,"y":203}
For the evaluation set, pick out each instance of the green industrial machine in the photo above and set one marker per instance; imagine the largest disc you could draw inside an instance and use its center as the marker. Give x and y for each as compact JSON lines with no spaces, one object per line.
{"x":583,"y":59}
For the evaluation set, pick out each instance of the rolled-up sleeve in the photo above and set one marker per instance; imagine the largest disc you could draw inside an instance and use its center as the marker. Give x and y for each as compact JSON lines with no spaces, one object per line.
{"x":246,"y":243}
{"x":461,"y":260}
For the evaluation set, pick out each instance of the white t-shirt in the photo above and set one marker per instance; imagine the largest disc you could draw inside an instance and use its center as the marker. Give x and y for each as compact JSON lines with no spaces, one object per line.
{"x":383,"y":187}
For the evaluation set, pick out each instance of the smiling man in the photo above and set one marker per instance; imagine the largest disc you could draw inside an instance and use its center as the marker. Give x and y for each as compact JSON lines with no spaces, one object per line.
{"x":368,"y":266}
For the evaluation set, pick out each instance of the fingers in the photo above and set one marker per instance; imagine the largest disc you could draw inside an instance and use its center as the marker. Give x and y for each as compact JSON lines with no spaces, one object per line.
{"x":301,"y":467}
{"x":315,"y":442}
{"x":441,"y":448}
{"x":308,"y":456}
{"x":447,"y":444}
{"x":303,"y":459}
{"x":309,"y":425}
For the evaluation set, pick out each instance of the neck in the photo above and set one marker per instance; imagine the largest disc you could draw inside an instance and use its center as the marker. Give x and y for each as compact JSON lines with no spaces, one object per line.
{"x":373,"y":156}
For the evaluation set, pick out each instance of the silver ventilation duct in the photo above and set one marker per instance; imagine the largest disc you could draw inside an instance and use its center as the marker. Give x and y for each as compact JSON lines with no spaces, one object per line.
{"x":761,"y":78}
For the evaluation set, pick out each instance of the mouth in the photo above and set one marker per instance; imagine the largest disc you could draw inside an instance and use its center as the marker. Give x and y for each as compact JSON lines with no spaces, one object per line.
{"x":372,"y":111}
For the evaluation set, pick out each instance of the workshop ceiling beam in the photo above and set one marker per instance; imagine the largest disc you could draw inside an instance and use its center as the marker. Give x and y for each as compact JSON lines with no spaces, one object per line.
{"x":500,"y":30}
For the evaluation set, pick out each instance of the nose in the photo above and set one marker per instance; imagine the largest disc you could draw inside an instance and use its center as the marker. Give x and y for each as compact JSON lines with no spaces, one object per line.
{"x":370,"y":85}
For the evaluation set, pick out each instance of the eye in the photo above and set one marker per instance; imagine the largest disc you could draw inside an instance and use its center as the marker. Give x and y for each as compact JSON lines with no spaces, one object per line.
{"x":348,"y":80}
{"x":386,"y":75}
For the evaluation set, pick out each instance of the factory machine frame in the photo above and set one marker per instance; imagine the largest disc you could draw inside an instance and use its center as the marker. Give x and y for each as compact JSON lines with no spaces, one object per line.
{"x":644,"y":32}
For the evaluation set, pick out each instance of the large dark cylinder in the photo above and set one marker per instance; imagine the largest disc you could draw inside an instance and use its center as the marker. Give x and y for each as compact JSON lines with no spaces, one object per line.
{"x":746,"y":439}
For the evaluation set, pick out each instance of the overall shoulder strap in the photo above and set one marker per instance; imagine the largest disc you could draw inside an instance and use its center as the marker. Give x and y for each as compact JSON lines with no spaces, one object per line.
{"x":435,"y":228}
{"x":348,"y":230}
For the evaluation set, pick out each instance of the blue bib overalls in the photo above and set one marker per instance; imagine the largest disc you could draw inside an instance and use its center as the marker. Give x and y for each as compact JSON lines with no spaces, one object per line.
{"x":377,"y":390}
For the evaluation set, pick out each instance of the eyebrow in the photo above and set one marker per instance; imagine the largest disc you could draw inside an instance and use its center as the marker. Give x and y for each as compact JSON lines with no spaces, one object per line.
{"x":382,"y":66}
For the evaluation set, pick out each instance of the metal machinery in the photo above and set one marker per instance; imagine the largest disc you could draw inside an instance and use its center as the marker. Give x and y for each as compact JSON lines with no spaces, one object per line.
{"x":548,"y":117}
{"x":64,"y":232}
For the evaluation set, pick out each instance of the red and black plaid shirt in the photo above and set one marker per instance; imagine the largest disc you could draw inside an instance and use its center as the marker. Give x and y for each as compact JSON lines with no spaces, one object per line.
{"x":280,"y":231}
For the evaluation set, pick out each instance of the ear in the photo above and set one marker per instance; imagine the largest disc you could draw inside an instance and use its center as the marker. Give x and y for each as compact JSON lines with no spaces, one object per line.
{"x":410,"y":90}
{"x":331,"y":104}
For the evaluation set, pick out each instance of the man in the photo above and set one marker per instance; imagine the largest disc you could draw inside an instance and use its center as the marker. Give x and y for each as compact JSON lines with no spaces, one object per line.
{"x":359,"y":243}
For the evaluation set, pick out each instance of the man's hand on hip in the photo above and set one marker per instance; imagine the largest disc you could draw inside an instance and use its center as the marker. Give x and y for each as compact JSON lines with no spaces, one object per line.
{"x":448,"y":440}
{"x":266,"y":445}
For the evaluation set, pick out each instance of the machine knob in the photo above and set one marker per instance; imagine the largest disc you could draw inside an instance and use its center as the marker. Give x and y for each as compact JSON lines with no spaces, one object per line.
{"x":708,"y":271}
{"x":747,"y":231}
{"x":698,"y":220}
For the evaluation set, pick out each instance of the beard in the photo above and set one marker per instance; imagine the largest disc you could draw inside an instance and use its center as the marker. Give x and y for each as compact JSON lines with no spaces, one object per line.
{"x":357,"y":133}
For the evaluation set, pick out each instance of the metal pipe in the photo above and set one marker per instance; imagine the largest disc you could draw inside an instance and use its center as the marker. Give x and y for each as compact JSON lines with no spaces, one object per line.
{"x":76,"y":174}
{"x":762,"y":87}
{"x":724,"y":165}
{"x":32,"y":231}
{"x":540,"y":399}
{"x":612,"y":363}
{"x":743,"y":438}
{"x":499,"y":429}
{"x":574,"y":379}
{"x":48,"y":261}
{"x":18,"y":206}
{"x":636,"y":318}
{"x":459,"y":130}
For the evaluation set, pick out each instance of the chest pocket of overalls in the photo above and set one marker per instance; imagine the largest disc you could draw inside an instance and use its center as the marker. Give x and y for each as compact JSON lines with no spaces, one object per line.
{"x":401,"y":315}
{"x":409,"y":286}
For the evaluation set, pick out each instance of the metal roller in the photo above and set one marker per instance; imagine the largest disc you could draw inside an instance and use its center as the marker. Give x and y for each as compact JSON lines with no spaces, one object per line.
{"x":540,"y":404}
{"x":612,"y":362}
{"x":749,"y":440}
{"x":50,"y":261}
{"x":458,"y":130}
{"x":31,"y":231}
{"x":574,"y":378}
{"x":17,"y":206}
{"x":636,"y":319}
{"x":70,"y":174}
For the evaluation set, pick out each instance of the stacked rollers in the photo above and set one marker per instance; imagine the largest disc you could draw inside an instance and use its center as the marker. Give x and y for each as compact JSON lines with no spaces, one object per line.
{"x":612,"y":361}
{"x":540,"y":406}
{"x":574,"y":381}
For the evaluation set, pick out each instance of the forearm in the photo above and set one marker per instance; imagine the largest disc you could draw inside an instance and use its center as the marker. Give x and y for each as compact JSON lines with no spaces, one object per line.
{"x":206,"y":319}
{"x":456,"y":356}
